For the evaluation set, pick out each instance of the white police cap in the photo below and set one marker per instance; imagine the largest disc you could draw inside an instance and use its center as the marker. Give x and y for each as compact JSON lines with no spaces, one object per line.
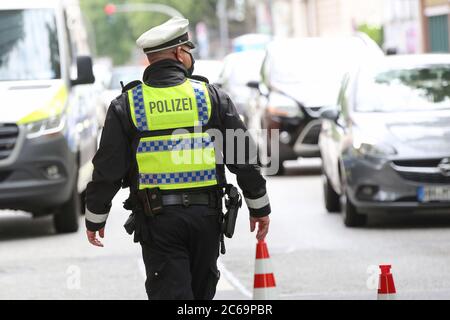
{"x":172,"y":33}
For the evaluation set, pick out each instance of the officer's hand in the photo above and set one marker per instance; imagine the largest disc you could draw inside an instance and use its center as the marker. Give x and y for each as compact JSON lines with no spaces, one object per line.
{"x":263,"y":226}
{"x":92,"y":237}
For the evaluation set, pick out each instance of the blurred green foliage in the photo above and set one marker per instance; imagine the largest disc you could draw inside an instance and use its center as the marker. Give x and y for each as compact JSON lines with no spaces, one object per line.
{"x":376,"y":33}
{"x":115,"y":35}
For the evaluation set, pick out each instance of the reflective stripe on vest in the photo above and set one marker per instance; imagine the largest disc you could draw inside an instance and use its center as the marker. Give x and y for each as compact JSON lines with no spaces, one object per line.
{"x":175,"y":144}
{"x":174,"y":161}
{"x":140,"y":119}
{"x":177,"y":177}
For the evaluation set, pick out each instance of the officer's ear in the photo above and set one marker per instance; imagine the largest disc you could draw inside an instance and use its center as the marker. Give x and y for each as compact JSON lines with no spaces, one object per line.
{"x":179,"y":54}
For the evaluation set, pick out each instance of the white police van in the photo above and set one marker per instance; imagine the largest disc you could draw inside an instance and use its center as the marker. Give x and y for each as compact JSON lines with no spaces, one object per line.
{"x":48,"y":126}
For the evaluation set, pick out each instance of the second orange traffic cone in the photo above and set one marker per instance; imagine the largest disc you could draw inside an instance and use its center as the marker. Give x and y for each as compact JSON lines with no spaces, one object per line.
{"x":386,"y":287}
{"x":264,"y":284}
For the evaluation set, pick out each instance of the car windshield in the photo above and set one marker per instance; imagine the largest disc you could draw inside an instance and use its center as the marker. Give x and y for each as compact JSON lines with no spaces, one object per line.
{"x":311,"y":61}
{"x":29,"y":48}
{"x":306,"y":71}
{"x":404,"y":89}
{"x":126,"y":75}
{"x":244,"y":67}
{"x":312,"y":68}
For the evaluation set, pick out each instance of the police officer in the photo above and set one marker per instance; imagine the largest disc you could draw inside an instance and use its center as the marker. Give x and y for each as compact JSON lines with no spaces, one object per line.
{"x":176,"y":205}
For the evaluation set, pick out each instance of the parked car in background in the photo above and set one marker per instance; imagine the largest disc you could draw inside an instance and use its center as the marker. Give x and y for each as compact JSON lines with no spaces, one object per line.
{"x":250,"y":41}
{"x":239,"y":69}
{"x":300,"y":77}
{"x":48,"y":126}
{"x":386,"y":148}
{"x":208,"y":68}
{"x":113,"y":88}
{"x":102,"y":72}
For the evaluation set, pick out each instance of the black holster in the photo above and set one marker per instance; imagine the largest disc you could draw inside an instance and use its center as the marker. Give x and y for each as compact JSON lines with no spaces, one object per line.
{"x":136,"y":222}
{"x":233,"y":202}
{"x":130,"y":224}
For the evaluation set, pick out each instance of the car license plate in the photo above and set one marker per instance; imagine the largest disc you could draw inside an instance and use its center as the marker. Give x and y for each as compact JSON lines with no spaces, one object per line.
{"x":433,"y":194}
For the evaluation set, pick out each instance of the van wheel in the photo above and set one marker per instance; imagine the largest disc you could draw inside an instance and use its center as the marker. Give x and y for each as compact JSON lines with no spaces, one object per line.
{"x":331,"y":198}
{"x":350,"y":214}
{"x":66,"y":219}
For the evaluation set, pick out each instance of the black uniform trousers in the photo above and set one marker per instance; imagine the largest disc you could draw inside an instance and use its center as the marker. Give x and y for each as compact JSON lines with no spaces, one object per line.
{"x":181,"y":253}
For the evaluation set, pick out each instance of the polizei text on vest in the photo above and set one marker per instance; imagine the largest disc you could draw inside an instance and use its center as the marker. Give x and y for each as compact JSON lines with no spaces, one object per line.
{"x":172,"y":105}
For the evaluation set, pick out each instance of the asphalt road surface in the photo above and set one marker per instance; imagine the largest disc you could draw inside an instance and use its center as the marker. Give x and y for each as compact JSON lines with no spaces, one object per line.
{"x":314,"y":256}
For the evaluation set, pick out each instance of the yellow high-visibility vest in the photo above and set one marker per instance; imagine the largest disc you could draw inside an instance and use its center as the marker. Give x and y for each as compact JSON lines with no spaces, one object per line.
{"x":176,"y":161}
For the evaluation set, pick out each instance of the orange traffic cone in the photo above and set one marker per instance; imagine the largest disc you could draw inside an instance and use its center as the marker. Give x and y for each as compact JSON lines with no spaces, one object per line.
{"x":264,"y":284}
{"x":386,"y":287}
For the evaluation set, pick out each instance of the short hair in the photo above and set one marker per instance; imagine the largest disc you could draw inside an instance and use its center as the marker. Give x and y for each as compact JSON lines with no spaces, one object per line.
{"x":160,"y":54}
{"x":155,"y":55}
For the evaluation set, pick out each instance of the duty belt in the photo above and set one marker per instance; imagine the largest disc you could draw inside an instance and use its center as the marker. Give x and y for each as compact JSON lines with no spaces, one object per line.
{"x":186,"y":199}
{"x":153,"y":200}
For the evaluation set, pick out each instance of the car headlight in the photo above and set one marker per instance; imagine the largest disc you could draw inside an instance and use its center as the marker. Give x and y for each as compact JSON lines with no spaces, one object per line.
{"x":280,"y":105}
{"x":368,"y":146}
{"x":47,"y":126}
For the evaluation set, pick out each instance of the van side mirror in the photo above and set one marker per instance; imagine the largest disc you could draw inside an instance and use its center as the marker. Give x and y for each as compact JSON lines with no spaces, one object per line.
{"x":330,"y":113}
{"x":84,"y":70}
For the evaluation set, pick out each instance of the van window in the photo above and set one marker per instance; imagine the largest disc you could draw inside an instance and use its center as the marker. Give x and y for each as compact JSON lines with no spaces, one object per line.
{"x":29,"y":48}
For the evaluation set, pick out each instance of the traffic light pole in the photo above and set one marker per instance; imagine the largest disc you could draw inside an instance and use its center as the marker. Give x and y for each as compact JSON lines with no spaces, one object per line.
{"x":136,"y":7}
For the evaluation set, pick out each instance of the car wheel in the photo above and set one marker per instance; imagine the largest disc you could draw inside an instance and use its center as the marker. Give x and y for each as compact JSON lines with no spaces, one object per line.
{"x":66,"y":219}
{"x":350,"y":213}
{"x":331,"y":198}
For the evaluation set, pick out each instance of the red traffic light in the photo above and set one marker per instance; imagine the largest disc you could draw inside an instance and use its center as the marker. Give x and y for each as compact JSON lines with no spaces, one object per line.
{"x":110,"y":9}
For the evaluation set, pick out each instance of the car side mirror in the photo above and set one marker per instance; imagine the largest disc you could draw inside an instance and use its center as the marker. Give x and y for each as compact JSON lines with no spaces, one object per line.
{"x":260,"y":87}
{"x":253,"y":85}
{"x":330,"y":113}
{"x":84,"y":70}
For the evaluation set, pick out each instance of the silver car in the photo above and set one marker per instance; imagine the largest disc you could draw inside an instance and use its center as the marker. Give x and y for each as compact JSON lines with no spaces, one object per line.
{"x":386,"y":147}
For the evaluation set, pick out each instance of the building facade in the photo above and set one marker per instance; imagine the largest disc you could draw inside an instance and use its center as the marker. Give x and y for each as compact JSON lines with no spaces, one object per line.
{"x":435,"y":25}
{"x":402,"y":26}
{"x":410,"y":26}
{"x":316,"y":18}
